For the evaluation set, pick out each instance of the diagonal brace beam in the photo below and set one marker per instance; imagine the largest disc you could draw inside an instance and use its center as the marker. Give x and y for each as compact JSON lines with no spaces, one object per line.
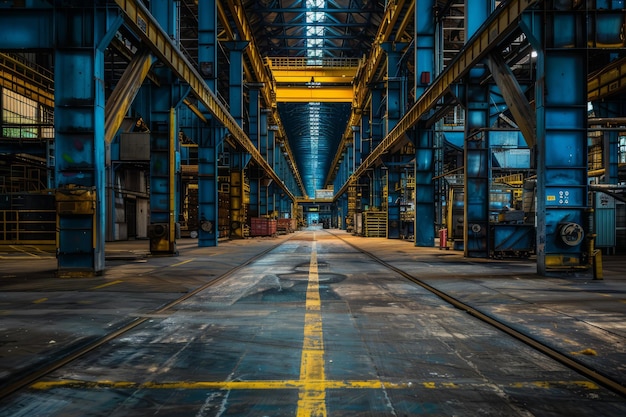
{"x":514,"y":97}
{"x":124,"y":93}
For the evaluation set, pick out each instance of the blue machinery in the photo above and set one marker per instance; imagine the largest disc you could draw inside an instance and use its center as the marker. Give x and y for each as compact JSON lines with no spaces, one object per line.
{"x":555,"y":125}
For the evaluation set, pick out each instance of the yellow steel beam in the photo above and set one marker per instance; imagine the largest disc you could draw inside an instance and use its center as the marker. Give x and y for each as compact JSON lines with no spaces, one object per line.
{"x":303,"y":70}
{"x":610,"y":80}
{"x":124,"y":93}
{"x":502,"y":24}
{"x":308,"y":75}
{"x":322,"y":94}
{"x":139,"y":19}
{"x":262,"y":76}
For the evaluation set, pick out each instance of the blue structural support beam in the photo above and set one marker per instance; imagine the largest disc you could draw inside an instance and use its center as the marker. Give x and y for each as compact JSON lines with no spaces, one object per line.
{"x":395,"y":95}
{"x":477,"y":156}
{"x":81,"y":37}
{"x":266,"y":202}
{"x":30,"y":26}
{"x":212,"y":133}
{"x":424,"y":153}
{"x":124,"y":93}
{"x":254,"y":133}
{"x":142,"y":24}
{"x":561,"y":103}
{"x":164,"y":144}
{"x":394,"y":203}
{"x":239,"y":160}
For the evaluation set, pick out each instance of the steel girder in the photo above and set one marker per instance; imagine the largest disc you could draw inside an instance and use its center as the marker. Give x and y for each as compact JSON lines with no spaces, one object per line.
{"x":500,"y":25}
{"x":140,"y":21}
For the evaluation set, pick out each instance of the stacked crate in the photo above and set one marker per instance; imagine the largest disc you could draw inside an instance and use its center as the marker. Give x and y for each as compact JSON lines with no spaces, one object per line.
{"x":284,"y":226}
{"x":260,"y":226}
{"x":375,"y":223}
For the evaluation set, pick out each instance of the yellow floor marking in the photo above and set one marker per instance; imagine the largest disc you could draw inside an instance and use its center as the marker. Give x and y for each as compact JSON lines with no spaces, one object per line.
{"x":166,"y":266}
{"x":182,"y":263}
{"x":297,"y":384}
{"x":312,"y":383}
{"x":312,"y":398}
{"x":19,"y":249}
{"x":41,"y":300}
{"x":108,"y":284}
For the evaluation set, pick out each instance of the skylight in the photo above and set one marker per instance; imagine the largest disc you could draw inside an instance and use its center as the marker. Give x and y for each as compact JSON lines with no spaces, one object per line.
{"x":315,"y":32}
{"x":314,"y":53}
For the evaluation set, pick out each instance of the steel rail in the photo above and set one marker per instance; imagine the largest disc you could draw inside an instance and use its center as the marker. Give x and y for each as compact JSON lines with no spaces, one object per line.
{"x":27,"y":380}
{"x":579,"y":367}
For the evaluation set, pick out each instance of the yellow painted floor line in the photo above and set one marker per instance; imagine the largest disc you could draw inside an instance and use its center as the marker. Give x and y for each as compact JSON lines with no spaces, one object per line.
{"x":108,"y":284}
{"x":40,"y":300}
{"x":312,"y":397}
{"x":182,"y":263}
{"x":299,"y":384}
{"x":166,"y":266}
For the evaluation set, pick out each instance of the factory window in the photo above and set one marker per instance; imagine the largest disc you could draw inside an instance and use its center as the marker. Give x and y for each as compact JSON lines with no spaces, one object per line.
{"x":23,"y":118}
{"x":622,"y":149}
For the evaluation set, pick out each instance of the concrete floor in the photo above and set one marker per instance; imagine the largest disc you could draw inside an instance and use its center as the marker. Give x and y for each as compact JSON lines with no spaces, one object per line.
{"x":312,"y":328}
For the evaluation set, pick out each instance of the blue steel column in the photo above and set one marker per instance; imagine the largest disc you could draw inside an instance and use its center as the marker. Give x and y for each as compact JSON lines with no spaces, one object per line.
{"x":395,"y":99}
{"x":424,"y":152}
{"x":393,"y":203}
{"x":81,"y":37}
{"x":377,"y":125}
{"x":254,"y":127}
{"x":266,"y":197}
{"x":476,"y":147}
{"x":561,"y":103}
{"x":163,"y":146}
{"x":239,"y":160}
{"x":211,"y":134}
{"x":395,"y":104}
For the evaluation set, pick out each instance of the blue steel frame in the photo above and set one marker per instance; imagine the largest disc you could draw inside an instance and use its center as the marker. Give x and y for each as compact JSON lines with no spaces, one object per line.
{"x":477,"y":157}
{"x":81,"y":36}
{"x":164,"y":145}
{"x":561,"y":103}
{"x":212,"y":134}
{"x":424,"y":228}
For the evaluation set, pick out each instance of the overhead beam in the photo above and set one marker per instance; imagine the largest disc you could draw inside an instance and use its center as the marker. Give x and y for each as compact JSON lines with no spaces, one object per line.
{"x":261,"y":75}
{"x":321,"y":94}
{"x":141,"y":22}
{"x":366,"y":75}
